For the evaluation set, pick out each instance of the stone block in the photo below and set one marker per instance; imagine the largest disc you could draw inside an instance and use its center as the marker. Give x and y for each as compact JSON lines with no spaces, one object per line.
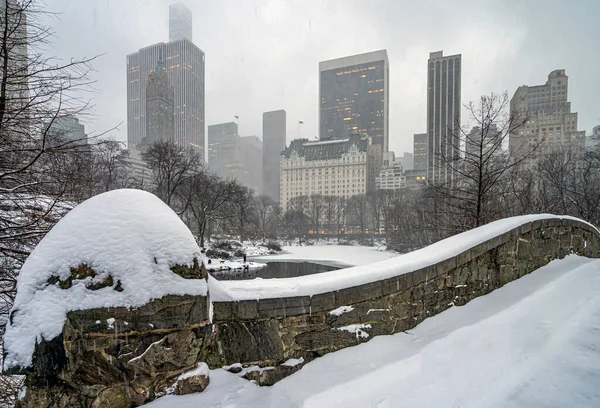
{"x":525,"y":228}
{"x":464,"y":257}
{"x":350,"y":296}
{"x":478,"y":250}
{"x":422,"y":275}
{"x":390,"y":286}
{"x":222,"y":311}
{"x":322,"y":302}
{"x":445,"y":266}
{"x":245,"y":310}
{"x":283,"y":307}
{"x":283,"y":312}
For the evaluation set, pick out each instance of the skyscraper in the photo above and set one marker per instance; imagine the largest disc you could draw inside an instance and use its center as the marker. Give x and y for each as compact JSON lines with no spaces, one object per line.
{"x":233,"y":156}
{"x":274,"y":136}
{"x":159,"y":106}
{"x":443,"y":114}
{"x":550,"y":123}
{"x":184,"y":66}
{"x":180,"y":22}
{"x":354,"y":97}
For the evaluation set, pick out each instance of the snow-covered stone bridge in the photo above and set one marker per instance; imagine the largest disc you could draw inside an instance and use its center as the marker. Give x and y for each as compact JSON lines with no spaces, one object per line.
{"x":113,"y":308}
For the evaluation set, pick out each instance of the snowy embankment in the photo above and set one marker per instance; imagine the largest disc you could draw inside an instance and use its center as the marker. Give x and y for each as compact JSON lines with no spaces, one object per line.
{"x":129,"y":238}
{"x":531,"y":343}
{"x":335,"y":255}
{"x":359,"y":275}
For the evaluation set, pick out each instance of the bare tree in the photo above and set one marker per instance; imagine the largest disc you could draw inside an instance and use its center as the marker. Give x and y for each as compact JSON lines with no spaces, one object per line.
{"x":480,"y":169}
{"x":241,"y":208}
{"x":357,"y":207}
{"x":316,"y":207}
{"x":206,"y":198}
{"x":341,"y":207}
{"x":171,"y":166}
{"x":267,"y":212}
{"x":35,"y":92}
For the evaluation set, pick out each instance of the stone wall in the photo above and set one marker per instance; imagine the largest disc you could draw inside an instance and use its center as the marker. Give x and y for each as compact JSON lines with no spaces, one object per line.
{"x":125,"y":357}
{"x":270,"y":331}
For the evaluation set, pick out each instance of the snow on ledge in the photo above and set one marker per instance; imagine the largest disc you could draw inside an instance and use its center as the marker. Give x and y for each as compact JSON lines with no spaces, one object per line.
{"x":130,"y":235}
{"x":341,"y":310}
{"x":223,"y":291}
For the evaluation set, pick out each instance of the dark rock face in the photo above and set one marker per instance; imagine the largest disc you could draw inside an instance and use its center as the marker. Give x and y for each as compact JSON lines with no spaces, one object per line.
{"x":126,"y":357}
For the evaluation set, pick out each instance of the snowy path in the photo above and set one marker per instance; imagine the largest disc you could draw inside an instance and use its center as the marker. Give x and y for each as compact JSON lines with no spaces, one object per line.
{"x":533,"y":343}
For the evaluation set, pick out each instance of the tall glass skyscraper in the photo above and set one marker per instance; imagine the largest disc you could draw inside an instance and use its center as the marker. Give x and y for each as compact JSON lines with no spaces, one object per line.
{"x":443,"y":114}
{"x":354,"y":97}
{"x":274,"y":135}
{"x":184,"y":66}
{"x":180,"y":22}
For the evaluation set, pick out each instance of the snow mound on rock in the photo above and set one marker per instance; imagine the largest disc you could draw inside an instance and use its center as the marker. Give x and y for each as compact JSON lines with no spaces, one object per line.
{"x":127,"y":240}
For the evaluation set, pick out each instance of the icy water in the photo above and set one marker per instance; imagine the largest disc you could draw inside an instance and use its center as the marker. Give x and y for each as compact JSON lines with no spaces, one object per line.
{"x":275,"y":270}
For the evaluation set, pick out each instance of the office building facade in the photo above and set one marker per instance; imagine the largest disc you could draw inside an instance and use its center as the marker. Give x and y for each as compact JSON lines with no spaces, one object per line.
{"x":184,"y":66}
{"x":233,"y":156}
{"x":443,"y":114}
{"x":420,"y":151}
{"x":550,"y":124}
{"x":159,"y":107}
{"x":354,"y":97}
{"x":274,"y":137}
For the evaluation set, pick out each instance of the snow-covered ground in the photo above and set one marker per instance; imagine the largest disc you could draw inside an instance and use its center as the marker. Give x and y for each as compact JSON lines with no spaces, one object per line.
{"x":337,"y":255}
{"x":532,"y":343}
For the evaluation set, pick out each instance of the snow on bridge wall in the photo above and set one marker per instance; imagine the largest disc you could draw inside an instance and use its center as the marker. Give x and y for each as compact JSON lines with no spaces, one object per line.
{"x":123,"y":357}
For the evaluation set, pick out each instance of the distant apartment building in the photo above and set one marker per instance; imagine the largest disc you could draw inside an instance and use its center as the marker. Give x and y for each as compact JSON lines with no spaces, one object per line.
{"x":407,"y":161}
{"x":420,"y":151}
{"x":274,"y":137}
{"x":354,"y":97}
{"x":443,"y":114}
{"x":233,"y":156}
{"x":184,"y":66}
{"x":339,"y":167}
{"x":492,"y":140}
{"x":139,"y":171}
{"x":391,"y":177}
{"x":252,"y":148}
{"x":67,"y":130}
{"x":550,"y":124}
{"x":159,"y":107}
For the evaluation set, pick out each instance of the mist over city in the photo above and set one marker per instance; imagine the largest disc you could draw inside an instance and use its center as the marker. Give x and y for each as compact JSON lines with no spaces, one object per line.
{"x":289,"y":203}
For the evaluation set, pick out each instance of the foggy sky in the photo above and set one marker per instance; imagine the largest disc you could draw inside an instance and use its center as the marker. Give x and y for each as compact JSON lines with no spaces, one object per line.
{"x":263,"y":55}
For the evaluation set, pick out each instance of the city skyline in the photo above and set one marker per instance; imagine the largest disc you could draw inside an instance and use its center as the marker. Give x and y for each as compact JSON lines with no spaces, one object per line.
{"x":506,"y":55}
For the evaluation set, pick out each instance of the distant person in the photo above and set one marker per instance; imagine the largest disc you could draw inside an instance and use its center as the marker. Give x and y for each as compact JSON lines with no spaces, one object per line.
{"x":244,"y":258}
{"x":209,"y":261}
